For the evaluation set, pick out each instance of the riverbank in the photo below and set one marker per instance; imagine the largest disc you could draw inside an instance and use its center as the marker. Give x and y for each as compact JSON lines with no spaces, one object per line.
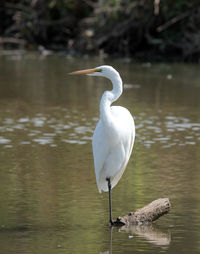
{"x":141,"y":30}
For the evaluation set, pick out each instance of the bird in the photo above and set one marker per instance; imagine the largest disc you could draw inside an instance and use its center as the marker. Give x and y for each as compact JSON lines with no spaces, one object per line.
{"x":114,"y":135}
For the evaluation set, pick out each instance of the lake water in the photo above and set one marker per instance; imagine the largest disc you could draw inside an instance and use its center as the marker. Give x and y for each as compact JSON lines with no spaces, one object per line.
{"x":49,"y":202}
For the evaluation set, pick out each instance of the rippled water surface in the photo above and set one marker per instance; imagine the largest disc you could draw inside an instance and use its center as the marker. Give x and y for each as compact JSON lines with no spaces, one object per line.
{"x":49,"y":202}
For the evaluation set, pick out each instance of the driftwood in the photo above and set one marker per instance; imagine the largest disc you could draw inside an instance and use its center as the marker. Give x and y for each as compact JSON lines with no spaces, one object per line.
{"x":148,"y":213}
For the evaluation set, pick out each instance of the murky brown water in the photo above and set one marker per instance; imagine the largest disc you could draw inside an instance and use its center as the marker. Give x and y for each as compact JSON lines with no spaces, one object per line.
{"x":49,"y":202}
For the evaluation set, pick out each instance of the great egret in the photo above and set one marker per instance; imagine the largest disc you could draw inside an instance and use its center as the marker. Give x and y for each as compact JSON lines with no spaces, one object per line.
{"x":114,"y":135}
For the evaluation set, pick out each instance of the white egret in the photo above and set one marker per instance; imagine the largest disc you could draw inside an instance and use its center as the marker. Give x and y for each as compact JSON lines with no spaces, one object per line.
{"x":114,"y":135}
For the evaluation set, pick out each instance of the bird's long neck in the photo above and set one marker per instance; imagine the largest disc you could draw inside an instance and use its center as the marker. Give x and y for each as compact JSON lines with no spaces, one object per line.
{"x":109,"y":97}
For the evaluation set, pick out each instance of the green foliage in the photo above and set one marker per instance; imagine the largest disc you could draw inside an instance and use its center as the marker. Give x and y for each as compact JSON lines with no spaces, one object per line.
{"x":115,"y":24}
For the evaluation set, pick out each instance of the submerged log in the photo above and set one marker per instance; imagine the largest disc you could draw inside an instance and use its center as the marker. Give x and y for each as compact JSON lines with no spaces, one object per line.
{"x":148,"y":213}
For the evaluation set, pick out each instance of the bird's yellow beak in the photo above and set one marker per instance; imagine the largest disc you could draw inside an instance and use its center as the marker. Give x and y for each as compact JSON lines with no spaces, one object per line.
{"x":88,"y":71}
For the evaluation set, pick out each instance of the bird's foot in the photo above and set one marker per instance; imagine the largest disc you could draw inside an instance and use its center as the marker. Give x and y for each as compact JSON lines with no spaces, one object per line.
{"x":112,"y":223}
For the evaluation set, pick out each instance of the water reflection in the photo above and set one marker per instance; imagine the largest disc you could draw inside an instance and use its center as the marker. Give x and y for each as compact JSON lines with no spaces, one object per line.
{"x":149,"y":232}
{"x":48,"y":194}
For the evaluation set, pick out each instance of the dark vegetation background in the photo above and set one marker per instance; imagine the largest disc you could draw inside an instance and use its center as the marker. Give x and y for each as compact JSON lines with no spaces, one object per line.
{"x":141,"y":29}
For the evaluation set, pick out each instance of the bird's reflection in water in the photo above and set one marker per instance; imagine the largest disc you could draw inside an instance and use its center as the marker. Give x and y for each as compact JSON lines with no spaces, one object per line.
{"x":110,"y":247}
{"x":149,"y":233}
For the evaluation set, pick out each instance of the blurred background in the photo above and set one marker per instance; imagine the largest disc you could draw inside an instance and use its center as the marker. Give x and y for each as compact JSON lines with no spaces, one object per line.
{"x":153,"y":30}
{"x":49,"y":201}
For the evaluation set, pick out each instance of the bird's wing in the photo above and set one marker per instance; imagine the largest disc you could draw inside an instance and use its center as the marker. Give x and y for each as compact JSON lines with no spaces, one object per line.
{"x":112,"y":152}
{"x":127,"y":137}
{"x":100,"y":148}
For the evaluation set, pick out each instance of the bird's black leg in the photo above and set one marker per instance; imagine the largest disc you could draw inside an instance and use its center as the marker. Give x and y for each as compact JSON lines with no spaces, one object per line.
{"x":110,"y":207}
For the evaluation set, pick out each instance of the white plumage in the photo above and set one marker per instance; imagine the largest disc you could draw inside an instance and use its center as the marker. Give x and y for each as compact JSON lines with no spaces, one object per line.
{"x":112,"y":146}
{"x":114,"y":135}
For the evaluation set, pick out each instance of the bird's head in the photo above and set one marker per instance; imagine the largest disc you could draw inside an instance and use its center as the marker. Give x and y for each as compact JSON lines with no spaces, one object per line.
{"x":102,"y":71}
